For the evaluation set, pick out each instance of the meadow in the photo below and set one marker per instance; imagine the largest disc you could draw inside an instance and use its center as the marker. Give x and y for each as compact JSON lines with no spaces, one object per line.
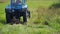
{"x":44,"y":19}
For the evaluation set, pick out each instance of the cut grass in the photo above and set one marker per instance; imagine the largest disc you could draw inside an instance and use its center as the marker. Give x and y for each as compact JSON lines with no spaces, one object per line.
{"x":53,"y":26}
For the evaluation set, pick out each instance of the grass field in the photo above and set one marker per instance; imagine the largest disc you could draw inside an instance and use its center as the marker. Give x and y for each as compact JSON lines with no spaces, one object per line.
{"x":43,"y":20}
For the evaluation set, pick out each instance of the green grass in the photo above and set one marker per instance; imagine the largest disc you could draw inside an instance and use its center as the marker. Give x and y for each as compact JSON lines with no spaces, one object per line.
{"x":40,"y":15}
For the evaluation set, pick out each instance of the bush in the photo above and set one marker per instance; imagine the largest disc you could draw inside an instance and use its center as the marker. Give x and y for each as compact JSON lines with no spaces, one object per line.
{"x":55,"y":5}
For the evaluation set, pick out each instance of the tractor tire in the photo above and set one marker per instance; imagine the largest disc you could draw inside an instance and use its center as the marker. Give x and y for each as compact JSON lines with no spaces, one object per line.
{"x":29,"y":14}
{"x":8,"y":17}
{"x":26,"y":16}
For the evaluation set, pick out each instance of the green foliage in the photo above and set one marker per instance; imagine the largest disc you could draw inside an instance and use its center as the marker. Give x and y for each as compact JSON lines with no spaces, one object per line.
{"x":55,"y":6}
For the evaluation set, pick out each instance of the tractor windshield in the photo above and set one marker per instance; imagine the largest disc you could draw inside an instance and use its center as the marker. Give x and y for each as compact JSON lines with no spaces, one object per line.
{"x":13,"y":2}
{"x":16,"y":1}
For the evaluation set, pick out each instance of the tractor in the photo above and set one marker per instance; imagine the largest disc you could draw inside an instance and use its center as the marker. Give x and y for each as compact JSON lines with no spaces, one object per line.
{"x":15,"y":10}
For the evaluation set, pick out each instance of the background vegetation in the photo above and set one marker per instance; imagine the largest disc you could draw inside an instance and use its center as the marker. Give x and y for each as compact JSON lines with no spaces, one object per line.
{"x":45,"y":18}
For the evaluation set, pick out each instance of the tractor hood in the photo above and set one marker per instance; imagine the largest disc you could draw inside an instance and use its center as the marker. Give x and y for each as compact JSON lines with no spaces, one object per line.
{"x":13,"y":7}
{"x":16,"y":7}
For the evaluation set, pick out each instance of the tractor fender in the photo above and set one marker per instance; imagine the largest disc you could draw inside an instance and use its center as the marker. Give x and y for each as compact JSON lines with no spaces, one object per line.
{"x":24,"y":6}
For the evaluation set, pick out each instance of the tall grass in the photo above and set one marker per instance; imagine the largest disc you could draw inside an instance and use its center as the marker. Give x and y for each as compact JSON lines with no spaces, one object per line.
{"x":50,"y":17}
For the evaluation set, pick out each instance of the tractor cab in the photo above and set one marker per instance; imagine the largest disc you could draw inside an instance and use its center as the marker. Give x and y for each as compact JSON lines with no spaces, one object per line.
{"x":17,"y":4}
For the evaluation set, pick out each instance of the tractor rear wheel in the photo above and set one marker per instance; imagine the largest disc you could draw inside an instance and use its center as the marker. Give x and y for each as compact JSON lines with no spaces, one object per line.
{"x":8,"y":17}
{"x":26,"y":16}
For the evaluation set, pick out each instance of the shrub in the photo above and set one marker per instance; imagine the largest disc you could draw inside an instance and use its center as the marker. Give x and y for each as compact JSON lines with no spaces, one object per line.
{"x":55,"y":5}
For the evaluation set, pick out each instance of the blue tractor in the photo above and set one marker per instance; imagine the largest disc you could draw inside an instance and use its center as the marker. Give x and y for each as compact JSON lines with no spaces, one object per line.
{"x":15,"y":10}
